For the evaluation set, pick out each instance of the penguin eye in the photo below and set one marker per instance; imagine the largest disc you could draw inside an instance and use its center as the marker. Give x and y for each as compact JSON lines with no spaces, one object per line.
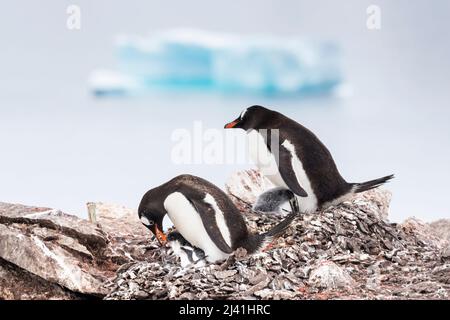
{"x":147,"y":222}
{"x":241,"y":116}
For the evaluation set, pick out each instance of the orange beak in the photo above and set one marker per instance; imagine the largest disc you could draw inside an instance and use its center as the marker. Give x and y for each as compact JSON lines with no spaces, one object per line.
{"x":160,"y":236}
{"x":231,"y":124}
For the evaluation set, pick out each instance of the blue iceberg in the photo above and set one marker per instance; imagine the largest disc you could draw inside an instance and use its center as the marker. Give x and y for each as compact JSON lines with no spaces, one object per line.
{"x":192,"y":59}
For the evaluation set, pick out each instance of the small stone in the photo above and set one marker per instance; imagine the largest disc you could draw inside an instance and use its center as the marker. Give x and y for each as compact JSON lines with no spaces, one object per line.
{"x":225,"y":274}
{"x":260,"y":277}
{"x":133,"y":286}
{"x":265,"y":293}
{"x":446,"y":253}
{"x":329,"y":275}
{"x":140,"y":294}
{"x":284,"y":295}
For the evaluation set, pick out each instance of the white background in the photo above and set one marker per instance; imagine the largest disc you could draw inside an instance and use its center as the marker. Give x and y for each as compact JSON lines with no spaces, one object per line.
{"x":61,"y":147}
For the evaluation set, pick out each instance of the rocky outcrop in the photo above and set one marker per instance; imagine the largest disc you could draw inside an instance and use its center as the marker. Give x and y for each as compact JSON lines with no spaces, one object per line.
{"x":328,"y":275}
{"x":441,"y":228}
{"x":60,"y":255}
{"x":128,"y":239}
{"x":19,"y":284}
{"x":349,"y":251}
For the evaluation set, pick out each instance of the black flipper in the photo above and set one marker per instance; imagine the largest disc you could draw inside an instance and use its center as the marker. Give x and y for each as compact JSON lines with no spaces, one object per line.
{"x":259,"y":241}
{"x":208,"y":217}
{"x":188,"y":253}
{"x":199,"y":253}
{"x":280,"y":228}
{"x":287,"y":172}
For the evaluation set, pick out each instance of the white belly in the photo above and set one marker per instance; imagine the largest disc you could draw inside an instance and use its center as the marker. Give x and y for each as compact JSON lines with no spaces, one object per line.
{"x":189,"y":223}
{"x":307,"y":204}
{"x":266,"y":163}
{"x":264,"y":159}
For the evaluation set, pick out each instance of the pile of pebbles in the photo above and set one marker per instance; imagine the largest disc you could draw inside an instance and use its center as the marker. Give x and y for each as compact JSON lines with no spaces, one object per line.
{"x":345,"y":252}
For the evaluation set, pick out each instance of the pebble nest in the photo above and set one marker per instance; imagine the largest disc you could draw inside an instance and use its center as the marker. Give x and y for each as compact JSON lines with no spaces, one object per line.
{"x":343,"y":252}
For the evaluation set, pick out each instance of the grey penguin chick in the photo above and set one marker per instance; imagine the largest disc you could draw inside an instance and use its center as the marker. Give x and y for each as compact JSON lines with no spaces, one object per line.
{"x":273,"y":199}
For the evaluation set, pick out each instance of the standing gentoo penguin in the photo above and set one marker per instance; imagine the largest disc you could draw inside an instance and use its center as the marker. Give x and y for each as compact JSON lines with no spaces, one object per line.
{"x":291,"y":156}
{"x":205,"y":216}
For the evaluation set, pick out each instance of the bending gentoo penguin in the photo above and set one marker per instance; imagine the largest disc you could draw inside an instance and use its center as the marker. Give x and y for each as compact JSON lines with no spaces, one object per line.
{"x":292,"y":157}
{"x":188,"y":254}
{"x":205,"y":216}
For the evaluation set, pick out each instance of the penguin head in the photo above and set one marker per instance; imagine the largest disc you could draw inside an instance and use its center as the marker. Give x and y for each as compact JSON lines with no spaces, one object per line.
{"x":151,"y":213}
{"x":154,"y":224}
{"x":254,"y":117}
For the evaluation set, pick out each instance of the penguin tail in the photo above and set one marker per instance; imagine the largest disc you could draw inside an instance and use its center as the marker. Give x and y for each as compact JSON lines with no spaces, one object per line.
{"x":263,"y":241}
{"x":364,"y":186}
{"x":281,"y":227}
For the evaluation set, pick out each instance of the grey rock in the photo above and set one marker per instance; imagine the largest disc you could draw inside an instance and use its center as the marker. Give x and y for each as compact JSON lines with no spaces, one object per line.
{"x":76,"y":257}
{"x":349,"y":251}
{"x":446,"y":252}
{"x":441,"y":228}
{"x":18,"y":284}
{"x":225,"y":274}
{"x":47,"y":261}
{"x":328,"y":275}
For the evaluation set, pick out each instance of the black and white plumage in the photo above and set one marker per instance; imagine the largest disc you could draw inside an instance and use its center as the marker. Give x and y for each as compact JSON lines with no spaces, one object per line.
{"x":205,"y":216}
{"x":188,"y":254}
{"x":292,"y":157}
